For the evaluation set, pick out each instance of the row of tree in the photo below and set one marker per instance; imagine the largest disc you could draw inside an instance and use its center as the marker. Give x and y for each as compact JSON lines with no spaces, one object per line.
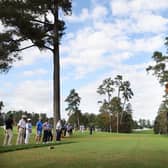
{"x":116,"y":94}
{"x":17,"y":115}
{"x":143,"y":123}
{"x":100,"y":121}
{"x":115,"y":111}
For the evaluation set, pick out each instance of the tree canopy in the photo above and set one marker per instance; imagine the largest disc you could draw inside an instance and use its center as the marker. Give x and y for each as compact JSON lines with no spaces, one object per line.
{"x":31,"y":21}
{"x":113,"y":104}
{"x":73,"y":101}
{"x":160,"y":69}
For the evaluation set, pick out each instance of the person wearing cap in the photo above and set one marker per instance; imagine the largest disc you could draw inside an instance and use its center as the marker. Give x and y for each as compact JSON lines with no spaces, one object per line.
{"x":8,"y":130}
{"x":21,"y":130}
{"x":28,"y":130}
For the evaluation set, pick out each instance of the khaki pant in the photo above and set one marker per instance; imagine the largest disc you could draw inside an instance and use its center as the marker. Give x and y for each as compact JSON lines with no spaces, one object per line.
{"x":20,"y":138}
{"x":8,"y":137}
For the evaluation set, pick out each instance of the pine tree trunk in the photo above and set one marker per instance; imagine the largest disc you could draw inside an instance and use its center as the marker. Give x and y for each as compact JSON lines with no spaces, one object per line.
{"x":109,"y":98}
{"x":122,"y":111}
{"x":118,"y":111}
{"x":56,"y":73}
{"x":78,"y":122}
{"x":117,"y":122}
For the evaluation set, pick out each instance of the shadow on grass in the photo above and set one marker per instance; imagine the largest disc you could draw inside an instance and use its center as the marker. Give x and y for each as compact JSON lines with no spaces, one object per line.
{"x":30,"y":146}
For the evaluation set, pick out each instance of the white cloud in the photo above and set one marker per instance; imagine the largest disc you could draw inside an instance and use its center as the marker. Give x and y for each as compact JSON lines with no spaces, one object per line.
{"x":89,"y":101}
{"x":35,"y":72}
{"x":31,"y":55}
{"x":127,"y":7}
{"x":150,"y":44}
{"x":141,"y":16}
{"x":148,"y":22}
{"x":94,"y":48}
{"x":33,"y":96}
{"x":78,"y":18}
{"x":99,"y":12}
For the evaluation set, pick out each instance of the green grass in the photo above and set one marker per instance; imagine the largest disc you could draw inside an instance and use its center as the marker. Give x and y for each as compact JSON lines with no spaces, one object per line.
{"x":150,"y":131}
{"x":101,"y":150}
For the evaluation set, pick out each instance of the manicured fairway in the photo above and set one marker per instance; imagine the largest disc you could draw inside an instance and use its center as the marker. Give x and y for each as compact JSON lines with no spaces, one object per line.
{"x":101,"y":150}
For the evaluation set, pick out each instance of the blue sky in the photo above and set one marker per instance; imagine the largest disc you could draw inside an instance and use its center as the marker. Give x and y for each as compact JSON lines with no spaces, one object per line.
{"x":103,"y":39}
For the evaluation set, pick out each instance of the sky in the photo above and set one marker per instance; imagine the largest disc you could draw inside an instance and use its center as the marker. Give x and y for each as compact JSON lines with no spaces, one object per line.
{"x":104,"y":38}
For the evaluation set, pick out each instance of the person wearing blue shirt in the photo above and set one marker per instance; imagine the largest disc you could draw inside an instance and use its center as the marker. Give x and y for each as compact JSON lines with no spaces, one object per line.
{"x":39,"y":128}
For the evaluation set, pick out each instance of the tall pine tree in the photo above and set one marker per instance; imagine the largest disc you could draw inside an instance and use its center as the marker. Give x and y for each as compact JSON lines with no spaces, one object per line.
{"x":73,"y":101}
{"x":36,"y":22}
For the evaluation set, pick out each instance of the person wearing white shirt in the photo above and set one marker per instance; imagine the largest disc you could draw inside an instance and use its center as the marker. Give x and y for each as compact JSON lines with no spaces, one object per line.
{"x":58,"y":130}
{"x":28,"y":130}
{"x":21,"y":130}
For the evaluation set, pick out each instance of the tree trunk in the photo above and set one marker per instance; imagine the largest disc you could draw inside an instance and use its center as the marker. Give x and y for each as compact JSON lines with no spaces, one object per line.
{"x":122,"y":111}
{"x":118,"y":111}
{"x":117,"y":122}
{"x":78,"y":122}
{"x":56,"y":73}
{"x":109,"y":98}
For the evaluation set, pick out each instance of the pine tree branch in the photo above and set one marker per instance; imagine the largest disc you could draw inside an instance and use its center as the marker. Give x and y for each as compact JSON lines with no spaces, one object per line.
{"x":24,"y":48}
{"x":48,"y":48}
{"x":42,"y":22}
{"x":19,"y":40}
{"x":34,"y":46}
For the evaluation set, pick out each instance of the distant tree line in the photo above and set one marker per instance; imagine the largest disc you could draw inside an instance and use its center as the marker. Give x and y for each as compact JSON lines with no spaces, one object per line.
{"x":144,"y":123}
{"x":115,"y":113}
{"x":98,"y":121}
{"x":101,"y":121}
{"x":17,"y":115}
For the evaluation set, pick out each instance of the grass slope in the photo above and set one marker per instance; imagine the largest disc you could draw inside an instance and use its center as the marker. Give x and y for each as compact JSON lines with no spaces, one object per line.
{"x":102,"y":150}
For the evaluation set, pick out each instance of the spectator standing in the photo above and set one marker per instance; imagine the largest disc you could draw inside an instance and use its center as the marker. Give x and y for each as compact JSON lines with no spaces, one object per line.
{"x":45,"y":131}
{"x":58,"y":130}
{"x":50,"y":135}
{"x":28,"y":130}
{"x":91,"y":129}
{"x":21,"y":130}
{"x":8,"y":130}
{"x":65,"y":129}
{"x":39,"y":128}
{"x":69,"y":129}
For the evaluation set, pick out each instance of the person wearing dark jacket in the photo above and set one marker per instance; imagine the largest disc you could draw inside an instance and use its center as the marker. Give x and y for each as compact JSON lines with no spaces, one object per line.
{"x":8,"y":130}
